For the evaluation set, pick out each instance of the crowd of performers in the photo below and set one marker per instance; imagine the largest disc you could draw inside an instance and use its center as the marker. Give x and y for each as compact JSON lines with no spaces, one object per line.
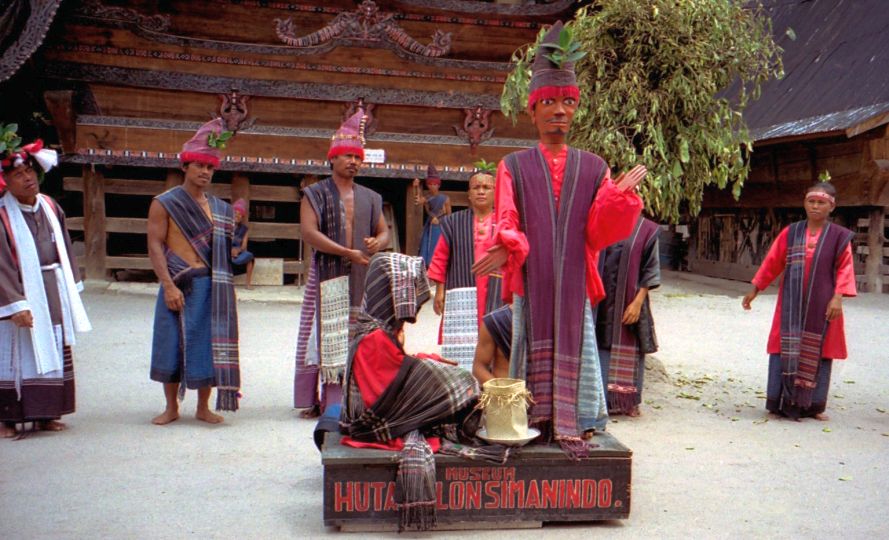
{"x":548,"y":271}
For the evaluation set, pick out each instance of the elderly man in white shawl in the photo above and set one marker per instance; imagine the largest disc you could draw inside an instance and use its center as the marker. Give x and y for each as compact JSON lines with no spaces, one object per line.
{"x":40,"y":307}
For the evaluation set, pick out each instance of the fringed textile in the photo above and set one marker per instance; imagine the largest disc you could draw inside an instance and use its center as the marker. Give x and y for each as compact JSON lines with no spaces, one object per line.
{"x":415,"y":484}
{"x":460,"y":326}
{"x":624,"y":365}
{"x":803,"y":307}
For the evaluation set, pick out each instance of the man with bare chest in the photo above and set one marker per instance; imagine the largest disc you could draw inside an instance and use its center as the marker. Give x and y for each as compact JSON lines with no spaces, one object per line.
{"x":344,"y":224}
{"x":195,"y":343}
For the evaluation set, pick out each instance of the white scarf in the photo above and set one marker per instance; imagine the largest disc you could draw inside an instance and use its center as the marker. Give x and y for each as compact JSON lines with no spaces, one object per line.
{"x":47,"y":355}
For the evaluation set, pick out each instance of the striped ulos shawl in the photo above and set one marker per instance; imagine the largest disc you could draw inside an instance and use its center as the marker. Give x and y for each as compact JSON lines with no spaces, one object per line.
{"x":211,"y":241}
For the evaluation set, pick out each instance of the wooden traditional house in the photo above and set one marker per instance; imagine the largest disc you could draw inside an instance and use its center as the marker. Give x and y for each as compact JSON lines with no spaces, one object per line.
{"x":830,"y":114}
{"x":121,"y":85}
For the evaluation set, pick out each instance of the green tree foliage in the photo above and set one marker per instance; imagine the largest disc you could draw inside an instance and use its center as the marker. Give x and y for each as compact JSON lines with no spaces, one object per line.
{"x":655,"y":89}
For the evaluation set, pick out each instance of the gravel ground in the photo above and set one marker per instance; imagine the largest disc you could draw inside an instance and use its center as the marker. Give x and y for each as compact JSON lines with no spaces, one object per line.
{"x":707,"y":461}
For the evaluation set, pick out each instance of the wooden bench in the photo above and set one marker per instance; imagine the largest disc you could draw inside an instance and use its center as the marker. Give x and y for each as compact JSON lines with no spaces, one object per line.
{"x":537,"y":484}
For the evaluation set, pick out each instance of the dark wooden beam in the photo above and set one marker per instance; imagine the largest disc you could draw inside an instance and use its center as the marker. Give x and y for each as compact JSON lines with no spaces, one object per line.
{"x":265,"y":87}
{"x":60,"y":104}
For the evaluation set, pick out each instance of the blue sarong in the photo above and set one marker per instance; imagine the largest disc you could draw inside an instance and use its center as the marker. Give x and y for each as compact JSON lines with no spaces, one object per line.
{"x":182,"y":339}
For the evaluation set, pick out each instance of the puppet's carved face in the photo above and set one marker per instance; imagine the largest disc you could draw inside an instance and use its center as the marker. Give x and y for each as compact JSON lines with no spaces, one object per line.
{"x":552,"y":116}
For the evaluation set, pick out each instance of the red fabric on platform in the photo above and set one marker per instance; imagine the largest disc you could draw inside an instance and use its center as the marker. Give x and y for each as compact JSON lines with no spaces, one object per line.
{"x":395,"y":445}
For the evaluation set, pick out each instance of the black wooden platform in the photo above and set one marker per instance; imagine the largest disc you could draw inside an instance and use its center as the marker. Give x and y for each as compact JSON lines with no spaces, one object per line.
{"x":537,"y":484}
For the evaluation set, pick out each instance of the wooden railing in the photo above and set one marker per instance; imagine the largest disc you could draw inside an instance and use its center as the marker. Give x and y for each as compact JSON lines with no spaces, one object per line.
{"x":97,"y":225}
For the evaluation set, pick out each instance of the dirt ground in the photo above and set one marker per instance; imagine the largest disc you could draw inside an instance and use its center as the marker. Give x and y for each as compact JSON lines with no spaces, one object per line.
{"x":707,"y":461}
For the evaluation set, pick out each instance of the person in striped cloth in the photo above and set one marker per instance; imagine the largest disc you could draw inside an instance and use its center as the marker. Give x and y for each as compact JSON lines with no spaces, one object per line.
{"x":195,"y":343}
{"x":465,"y":237}
{"x":344,"y":223}
{"x":416,"y":405}
{"x":624,"y":325}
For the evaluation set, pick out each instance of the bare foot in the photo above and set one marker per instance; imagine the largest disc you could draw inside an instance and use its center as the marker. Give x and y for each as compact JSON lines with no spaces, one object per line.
{"x":634,"y":412}
{"x":204,"y":415}
{"x":311,"y":412}
{"x":7,"y":432}
{"x":821,"y":417}
{"x":165,"y":418}
{"x":249,"y":287}
{"x":51,"y":425}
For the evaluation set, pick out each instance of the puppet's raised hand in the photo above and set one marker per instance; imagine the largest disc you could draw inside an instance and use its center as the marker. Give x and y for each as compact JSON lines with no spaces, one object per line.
{"x":630,"y":180}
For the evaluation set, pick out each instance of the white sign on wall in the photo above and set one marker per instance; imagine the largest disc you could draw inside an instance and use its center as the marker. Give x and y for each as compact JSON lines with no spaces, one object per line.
{"x":374,"y":155}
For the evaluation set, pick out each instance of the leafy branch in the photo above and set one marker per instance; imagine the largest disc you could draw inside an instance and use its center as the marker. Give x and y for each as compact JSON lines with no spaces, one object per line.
{"x":9,"y":140}
{"x":665,"y":84}
{"x":566,"y":51}
{"x":218,"y":141}
{"x":514,"y":97}
{"x":485,"y":166}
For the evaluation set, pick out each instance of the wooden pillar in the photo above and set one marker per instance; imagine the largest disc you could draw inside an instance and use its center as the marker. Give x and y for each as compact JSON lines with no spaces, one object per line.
{"x":873,"y":266}
{"x":94,"y":222}
{"x":175,"y":178}
{"x":413,"y":222}
{"x":240,"y":187}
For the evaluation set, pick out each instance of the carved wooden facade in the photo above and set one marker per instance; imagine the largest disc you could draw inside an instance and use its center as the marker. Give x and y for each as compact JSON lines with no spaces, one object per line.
{"x":125,"y":83}
{"x":829,"y":113}
{"x":730,"y":238}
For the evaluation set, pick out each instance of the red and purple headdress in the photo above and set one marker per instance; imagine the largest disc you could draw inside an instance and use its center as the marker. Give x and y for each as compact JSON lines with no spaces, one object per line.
{"x":349,"y":138}
{"x":432,"y":176}
{"x":240,"y":205}
{"x":549,"y":79}
{"x":206,"y":145}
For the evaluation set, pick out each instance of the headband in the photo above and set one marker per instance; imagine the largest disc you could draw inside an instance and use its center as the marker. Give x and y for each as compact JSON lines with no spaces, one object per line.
{"x":821,"y":195}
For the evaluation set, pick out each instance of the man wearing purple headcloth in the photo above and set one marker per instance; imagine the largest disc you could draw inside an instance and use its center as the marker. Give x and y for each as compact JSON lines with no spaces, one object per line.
{"x":559,"y":205}
{"x":344,"y":224}
{"x":195,"y":341}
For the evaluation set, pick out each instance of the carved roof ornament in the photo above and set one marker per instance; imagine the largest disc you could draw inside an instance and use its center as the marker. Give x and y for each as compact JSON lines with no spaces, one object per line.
{"x":368,"y":108}
{"x":367,"y":27}
{"x":94,"y":9}
{"x":233,"y":111}
{"x":23,"y":25}
{"x":476,"y":127}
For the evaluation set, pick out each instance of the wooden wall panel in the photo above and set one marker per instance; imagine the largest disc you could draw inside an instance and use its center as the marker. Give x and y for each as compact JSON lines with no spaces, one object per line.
{"x":193,"y":106}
